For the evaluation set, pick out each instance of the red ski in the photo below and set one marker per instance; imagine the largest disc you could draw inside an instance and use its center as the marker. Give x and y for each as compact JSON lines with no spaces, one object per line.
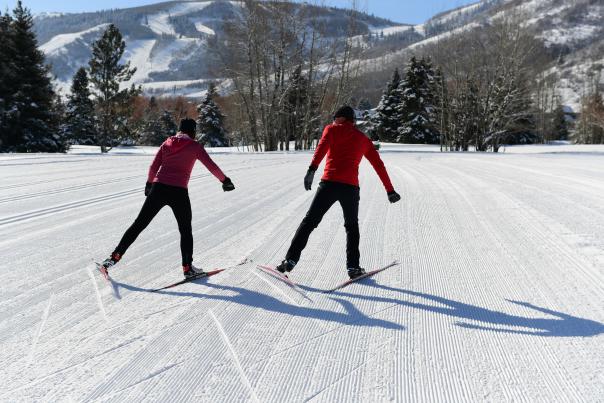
{"x":103,"y":271}
{"x":368,"y":274}
{"x":188,"y":280}
{"x":278,"y":275}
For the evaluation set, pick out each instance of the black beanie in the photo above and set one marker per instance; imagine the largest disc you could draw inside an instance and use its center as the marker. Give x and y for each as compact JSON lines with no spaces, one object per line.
{"x":188,"y":126}
{"x":346,"y":112}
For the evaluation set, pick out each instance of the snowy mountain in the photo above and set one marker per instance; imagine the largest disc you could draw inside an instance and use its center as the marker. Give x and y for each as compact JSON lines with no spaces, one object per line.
{"x":168,"y":42}
{"x":571,"y":31}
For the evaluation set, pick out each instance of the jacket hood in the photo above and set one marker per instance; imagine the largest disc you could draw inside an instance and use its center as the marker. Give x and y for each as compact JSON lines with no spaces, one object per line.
{"x":178,"y":141}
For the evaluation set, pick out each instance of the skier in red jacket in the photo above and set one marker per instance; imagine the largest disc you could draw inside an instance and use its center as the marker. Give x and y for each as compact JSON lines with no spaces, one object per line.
{"x":345,"y":146}
{"x":167,"y":184}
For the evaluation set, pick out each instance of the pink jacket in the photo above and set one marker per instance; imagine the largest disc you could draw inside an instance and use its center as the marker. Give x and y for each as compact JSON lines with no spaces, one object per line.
{"x":175,"y":159}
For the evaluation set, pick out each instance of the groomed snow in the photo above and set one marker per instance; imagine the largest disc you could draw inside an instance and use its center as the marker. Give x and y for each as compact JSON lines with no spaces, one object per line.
{"x":498,"y":296}
{"x":58,"y":43}
{"x":160,"y":22}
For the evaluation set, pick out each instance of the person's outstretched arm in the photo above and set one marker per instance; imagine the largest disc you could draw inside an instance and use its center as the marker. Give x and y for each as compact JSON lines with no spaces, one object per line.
{"x":378,"y":165}
{"x":204,"y":158}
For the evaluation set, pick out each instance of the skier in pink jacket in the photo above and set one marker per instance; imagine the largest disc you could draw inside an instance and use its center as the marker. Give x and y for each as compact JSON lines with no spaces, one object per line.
{"x":167,"y":184}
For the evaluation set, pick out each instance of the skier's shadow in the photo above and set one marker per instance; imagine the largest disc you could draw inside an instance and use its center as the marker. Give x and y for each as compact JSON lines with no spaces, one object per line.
{"x":559,"y":325}
{"x":255,"y":299}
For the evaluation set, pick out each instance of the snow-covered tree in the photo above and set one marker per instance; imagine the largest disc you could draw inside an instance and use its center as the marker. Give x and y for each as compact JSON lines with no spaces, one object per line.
{"x":387,"y":117}
{"x":113,"y":104}
{"x":210,"y":123}
{"x":416,"y":107}
{"x":28,"y":112}
{"x":364,"y":105}
{"x":80,"y":125}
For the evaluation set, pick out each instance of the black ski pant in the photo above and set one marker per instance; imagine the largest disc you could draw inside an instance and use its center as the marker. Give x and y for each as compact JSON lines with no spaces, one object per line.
{"x":327,"y":194}
{"x":164,"y":195}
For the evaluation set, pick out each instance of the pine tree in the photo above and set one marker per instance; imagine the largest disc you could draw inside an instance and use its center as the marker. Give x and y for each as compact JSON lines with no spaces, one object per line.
{"x":210,"y":124}
{"x":387,"y":117}
{"x":32,"y":125}
{"x":364,"y":105}
{"x":417,"y":110}
{"x":167,"y":124}
{"x":106,"y":75}
{"x":80,"y":125}
{"x":7,"y":82}
{"x":560,"y":123}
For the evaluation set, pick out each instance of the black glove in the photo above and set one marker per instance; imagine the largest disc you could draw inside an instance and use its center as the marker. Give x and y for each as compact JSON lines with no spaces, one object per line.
{"x":227,"y":185}
{"x":148,"y":186}
{"x":393,"y":197}
{"x":310,"y":175}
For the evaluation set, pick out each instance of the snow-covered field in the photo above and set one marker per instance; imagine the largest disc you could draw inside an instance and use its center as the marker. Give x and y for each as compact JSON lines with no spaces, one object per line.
{"x":499,"y":295}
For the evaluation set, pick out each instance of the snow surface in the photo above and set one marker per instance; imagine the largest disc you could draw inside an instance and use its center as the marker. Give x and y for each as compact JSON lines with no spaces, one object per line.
{"x":498,"y":297}
{"x":58,"y":43}
{"x":160,"y":22}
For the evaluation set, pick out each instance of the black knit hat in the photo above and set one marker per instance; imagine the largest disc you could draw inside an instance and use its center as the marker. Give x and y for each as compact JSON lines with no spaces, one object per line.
{"x":188,"y":126}
{"x":345,"y":112}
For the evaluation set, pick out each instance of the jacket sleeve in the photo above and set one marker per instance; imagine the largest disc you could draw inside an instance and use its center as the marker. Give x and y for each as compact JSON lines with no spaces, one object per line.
{"x":155,"y":165}
{"x":322,"y":148}
{"x":202,"y":155}
{"x":376,"y":161}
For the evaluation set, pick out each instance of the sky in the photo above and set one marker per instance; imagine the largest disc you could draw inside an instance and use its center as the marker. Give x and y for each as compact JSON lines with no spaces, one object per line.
{"x":404,"y":11}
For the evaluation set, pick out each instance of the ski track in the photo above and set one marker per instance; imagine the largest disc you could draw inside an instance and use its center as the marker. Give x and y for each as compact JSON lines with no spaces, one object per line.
{"x":498,"y":296}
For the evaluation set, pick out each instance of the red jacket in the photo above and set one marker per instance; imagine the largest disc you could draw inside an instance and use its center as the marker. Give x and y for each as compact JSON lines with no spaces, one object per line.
{"x":345,"y":146}
{"x":175,"y":159}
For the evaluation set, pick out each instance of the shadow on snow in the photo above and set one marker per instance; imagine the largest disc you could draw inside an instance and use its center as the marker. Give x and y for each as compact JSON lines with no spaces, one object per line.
{"x":559,"y":325}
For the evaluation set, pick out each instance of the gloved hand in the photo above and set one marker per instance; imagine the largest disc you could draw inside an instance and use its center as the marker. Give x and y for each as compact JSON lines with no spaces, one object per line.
{"x":393,"y":197}
{"x":148,"y":186}
{"x":227,"y":185}
{"x":310,"y":175}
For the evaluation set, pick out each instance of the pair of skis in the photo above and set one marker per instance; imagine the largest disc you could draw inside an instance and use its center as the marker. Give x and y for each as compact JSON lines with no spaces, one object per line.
{"x":272,"y":271}
{"x":106,"y":276}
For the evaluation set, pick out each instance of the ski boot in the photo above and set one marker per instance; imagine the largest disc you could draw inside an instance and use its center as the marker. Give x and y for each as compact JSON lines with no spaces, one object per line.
{"x":108,"y":263}
{"x":191,"y":271}
{"x":286,"y":266}
{"x":354,"y":272}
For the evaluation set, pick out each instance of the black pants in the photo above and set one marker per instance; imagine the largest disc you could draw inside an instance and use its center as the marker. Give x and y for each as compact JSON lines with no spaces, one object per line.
{"x":327,"y":194}
{"x":178,"y":200}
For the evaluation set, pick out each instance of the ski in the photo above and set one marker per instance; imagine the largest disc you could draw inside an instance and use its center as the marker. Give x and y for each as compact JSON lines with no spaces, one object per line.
{"x":368,"y":274}
{"x":103,"y":270}
{"x":188,"y":280}
{"x":280,"y":276}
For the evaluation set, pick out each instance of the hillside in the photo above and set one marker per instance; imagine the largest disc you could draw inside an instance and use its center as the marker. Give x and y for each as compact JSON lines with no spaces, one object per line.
{"x":168,"y":42}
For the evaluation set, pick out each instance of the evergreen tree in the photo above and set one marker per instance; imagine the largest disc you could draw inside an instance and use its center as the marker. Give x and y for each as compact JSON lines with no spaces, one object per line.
{"x":151,"y":129}
{"x":7,"y":82}
{"x":106,"y":74}
{"x":387,"y":118}
{"x":416,"y":108}
{"x":167,"y":124}
{"x":364,"y":105}
{"x":210,"y":124}
{"x":32,"y":125}
{"x":560,"y":124}
{"x":80,"y":125}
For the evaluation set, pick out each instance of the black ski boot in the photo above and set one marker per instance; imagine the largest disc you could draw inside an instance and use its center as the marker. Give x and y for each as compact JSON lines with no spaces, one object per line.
{"x":191,"y":271}
{"x":354,"y":272}
{"x":286,"y":266}
{"x":111,"y":261}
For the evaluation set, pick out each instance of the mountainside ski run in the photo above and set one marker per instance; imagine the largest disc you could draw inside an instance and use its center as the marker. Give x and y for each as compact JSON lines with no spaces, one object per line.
{"x":498,"y":295}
